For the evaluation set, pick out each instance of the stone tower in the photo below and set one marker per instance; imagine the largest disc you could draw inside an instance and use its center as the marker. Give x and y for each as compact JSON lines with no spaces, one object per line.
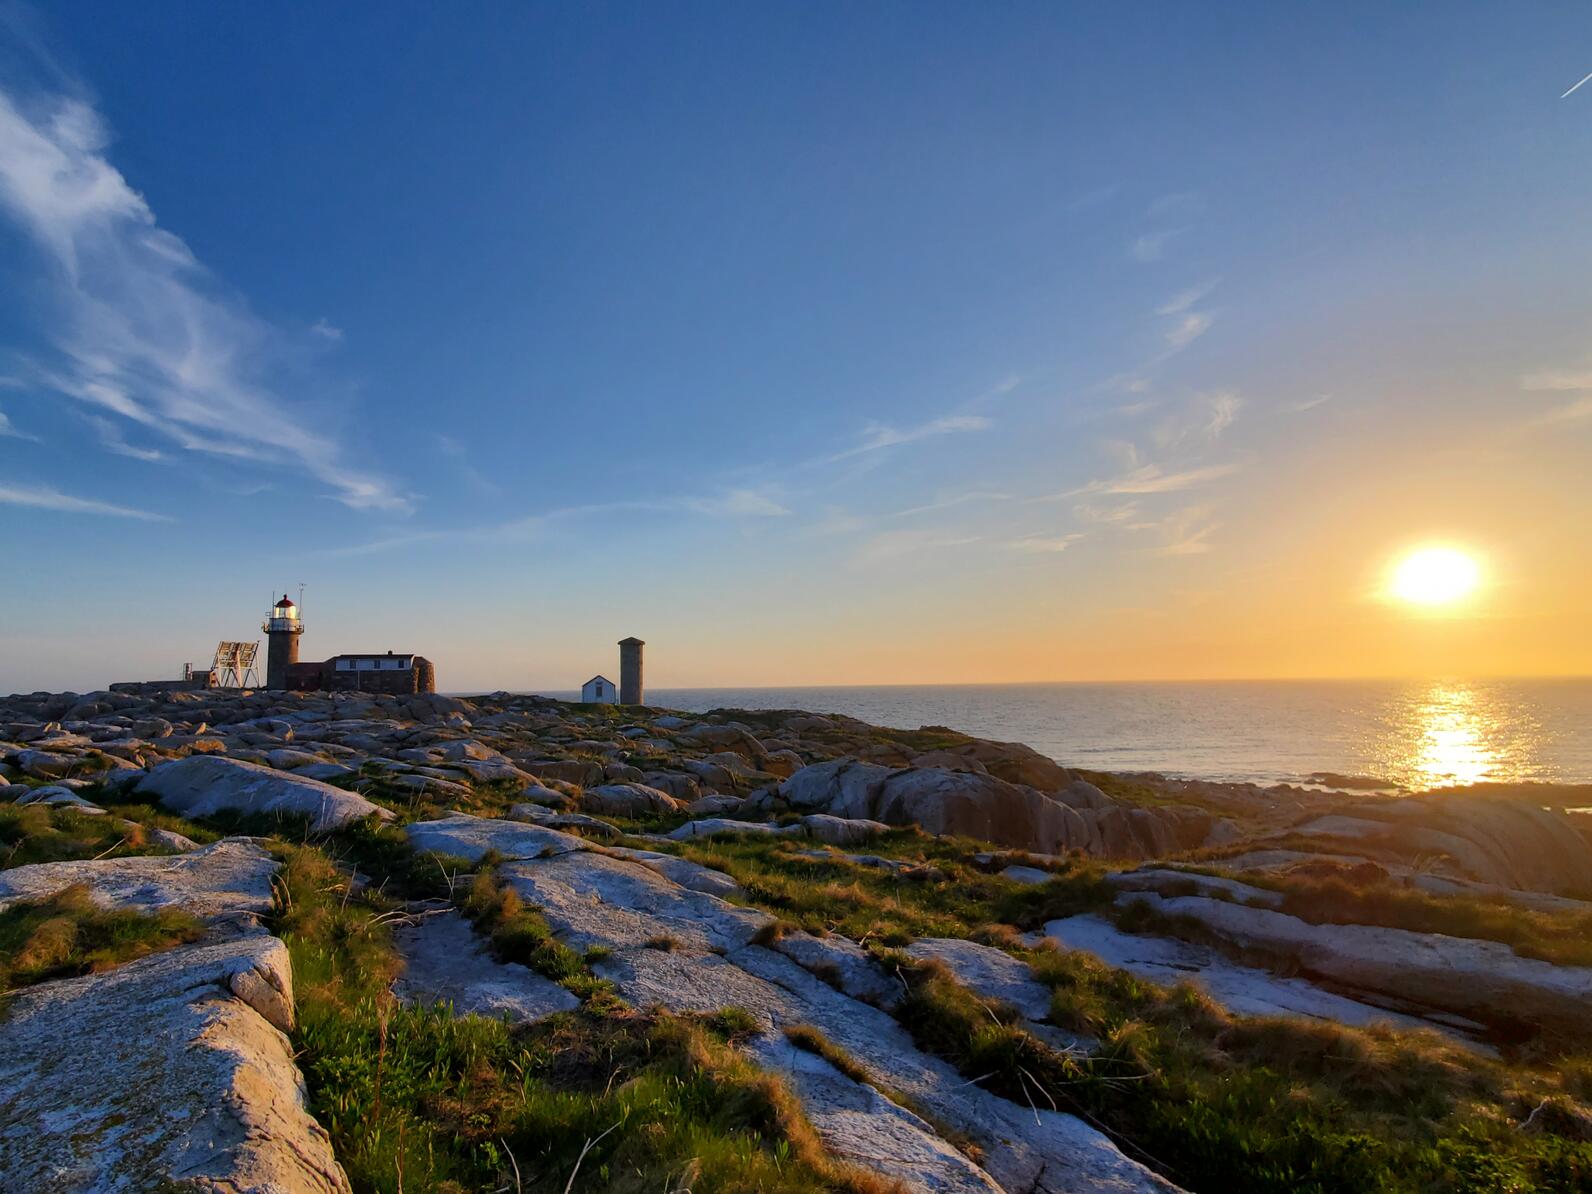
{"x":282,"y":629}
{"x":630,"y":688}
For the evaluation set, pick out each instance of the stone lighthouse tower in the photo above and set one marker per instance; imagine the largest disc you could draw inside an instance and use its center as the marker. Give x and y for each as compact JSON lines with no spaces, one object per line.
{"x":282,"y":629}
{"x":630,"y":689}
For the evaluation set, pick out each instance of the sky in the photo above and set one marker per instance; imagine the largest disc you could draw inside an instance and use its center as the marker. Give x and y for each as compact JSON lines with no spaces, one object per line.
{"x":812,"y":343}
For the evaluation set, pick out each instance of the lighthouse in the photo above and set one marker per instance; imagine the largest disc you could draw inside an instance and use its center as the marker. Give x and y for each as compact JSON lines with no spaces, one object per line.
{"x":282,"y":629}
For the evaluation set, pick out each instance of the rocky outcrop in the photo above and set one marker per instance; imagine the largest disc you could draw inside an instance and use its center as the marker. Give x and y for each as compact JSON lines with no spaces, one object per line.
{"x":980,"y":805}
{"x":627,"y":800}
{"x":203,"y":785}
{"x":1242,"y":990}
{"x":688,"y":951}
{"x":989,"y":971}
{"x":444,"y":963}
{"x":179,"y":1076}
{"x":1011,"y":761}
{"x":229,"y":880}
{"x":1509,"y":843}
{"x":1484,"y":980}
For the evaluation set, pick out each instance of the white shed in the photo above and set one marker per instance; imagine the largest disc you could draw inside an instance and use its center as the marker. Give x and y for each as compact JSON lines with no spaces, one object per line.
{"x":599,"y":690}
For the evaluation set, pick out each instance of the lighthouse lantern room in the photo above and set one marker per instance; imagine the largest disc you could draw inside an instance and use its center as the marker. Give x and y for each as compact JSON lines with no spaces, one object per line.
{"x":282,"y":630}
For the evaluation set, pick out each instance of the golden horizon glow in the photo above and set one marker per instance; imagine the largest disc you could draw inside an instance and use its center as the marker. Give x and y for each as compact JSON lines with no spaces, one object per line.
{"x":1432,"y":576}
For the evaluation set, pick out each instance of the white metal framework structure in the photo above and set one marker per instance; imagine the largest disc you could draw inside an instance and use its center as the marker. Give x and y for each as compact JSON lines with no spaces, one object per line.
{"x":234,"y":666}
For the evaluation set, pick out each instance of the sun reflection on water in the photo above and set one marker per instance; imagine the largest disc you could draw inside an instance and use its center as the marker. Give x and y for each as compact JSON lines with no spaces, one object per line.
{"x":1454,"y":733}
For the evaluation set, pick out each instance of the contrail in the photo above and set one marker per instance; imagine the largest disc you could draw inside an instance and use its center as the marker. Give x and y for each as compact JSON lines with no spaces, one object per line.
{"x":1574,"y":89}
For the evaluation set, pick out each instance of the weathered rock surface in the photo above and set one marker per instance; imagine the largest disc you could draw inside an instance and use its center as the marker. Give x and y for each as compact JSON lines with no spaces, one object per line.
{"x":989,"y":971}
{"x":1485,"y":980}
{"x":627,"y":800}
{"x":179,"y":1075}
{"x":690,"y":951}
{"x":228,"y":880}
{"x":1243,"y":990}
{"x":719,"y":826}
{"x":862,"y":1127}
{"x":445,"y":963}
{"x":1027,"y":1150}
{"x":839,"y":831}
{"x":981,"y":805}
{"x":467,"y":837}
{"x":203,"y":785}
{"x":1491,"y":840}
{"x":59,"y":797}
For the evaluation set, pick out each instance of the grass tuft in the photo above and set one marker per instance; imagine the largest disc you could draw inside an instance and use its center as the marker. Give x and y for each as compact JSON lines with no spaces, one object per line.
{"x":69,"y":934}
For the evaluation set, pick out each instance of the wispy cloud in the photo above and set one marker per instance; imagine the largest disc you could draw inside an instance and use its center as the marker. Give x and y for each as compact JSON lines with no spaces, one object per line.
{"x":837,"y":521}
{"x":893,"y":545}
{"x":1189,"y":328}
{"x":143,"y":333}
{"x":734,"y":503}
{"x":40,"y":497}
{"x":1110,"y":514}
{"x":1184,"y":532}
{"x":996,"y":392}
{"x":1558,"y":379}
{"x":737,"y":503}
{"x":456,"y":451}
{"x":1043,"y":544}
{"x":1188,"y":532}
{"x":1185,"y":300}
{"x":1304,"y":404}
{"x":324,"y":329}
{"x":954,"y":500}
{"x":1202,"y":420}
{"x":1123,"y":451}
{"x":877,"y":436}
{"x":9,"y":430}
{"x":110,"y":438}
{"x":1177,"y":204}
{"x":1150,"y":479}
{"x":1570,"y":412}
{"x":1151,"y":246}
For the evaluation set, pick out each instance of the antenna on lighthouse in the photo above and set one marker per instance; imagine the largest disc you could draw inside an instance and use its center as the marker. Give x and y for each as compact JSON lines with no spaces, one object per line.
{"x":301,"y":599}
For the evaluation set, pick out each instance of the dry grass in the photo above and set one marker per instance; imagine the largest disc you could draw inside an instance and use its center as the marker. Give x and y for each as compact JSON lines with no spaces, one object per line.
{"x":33,"y":833}
{"x":69,"y":934}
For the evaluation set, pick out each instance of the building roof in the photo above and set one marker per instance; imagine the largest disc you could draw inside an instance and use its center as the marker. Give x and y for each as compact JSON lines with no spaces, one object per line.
{"x":594,"y":680}
{"x":284,"y":603}
{"x":626,"y":642}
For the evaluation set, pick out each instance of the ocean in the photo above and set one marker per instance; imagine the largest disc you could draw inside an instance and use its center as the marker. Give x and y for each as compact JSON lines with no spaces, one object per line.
{"x":1412,"y":734}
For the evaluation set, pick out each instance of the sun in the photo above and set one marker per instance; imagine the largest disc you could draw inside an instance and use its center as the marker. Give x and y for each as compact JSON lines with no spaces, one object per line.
{"x":1435,"y":576}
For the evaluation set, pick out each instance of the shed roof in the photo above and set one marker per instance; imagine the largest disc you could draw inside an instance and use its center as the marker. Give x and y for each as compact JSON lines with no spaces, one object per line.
{"x":594,"y":680}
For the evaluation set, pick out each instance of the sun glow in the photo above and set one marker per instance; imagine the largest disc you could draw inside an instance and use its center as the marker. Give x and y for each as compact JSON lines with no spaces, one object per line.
{"x":1435,"y":576}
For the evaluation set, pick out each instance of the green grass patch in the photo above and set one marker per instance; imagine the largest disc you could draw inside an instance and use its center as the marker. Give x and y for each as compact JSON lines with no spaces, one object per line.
{"x":1216,"y":1102}
{"x":418,"y":1099}
{"x":1249,"y":1104}
{"x":518,"y":933}
{"x":943,"y":895}
{"x":58,"y":833}
{"x":1563,"y":938}
{"x":67,"y":934}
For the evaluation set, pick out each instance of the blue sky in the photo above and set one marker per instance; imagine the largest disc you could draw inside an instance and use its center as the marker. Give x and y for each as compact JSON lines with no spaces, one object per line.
{"x":812,"y":343}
